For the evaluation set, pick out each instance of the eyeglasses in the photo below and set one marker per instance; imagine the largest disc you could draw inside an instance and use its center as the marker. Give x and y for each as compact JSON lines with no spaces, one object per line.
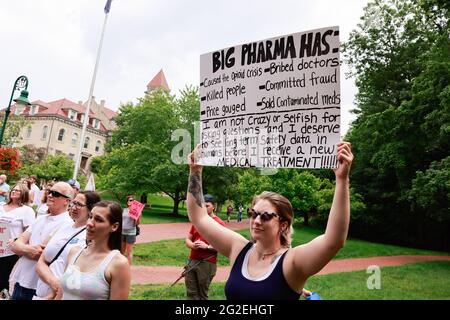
{"x":129,"y":200}
{"x":57,"y":194}
{"x":15,"y":190}
{"x":77,"y":204}
{"x":265,"y":216}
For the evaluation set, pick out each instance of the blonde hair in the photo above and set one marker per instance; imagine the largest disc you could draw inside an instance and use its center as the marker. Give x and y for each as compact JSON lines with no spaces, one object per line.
{"x":285,"y":212}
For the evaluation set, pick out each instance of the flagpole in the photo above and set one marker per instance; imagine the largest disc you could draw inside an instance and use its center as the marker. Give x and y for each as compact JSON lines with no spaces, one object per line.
{"x":88,"y":104}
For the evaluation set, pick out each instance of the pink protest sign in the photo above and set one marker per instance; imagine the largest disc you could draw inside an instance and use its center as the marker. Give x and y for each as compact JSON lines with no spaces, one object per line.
{"x":136,"y":209}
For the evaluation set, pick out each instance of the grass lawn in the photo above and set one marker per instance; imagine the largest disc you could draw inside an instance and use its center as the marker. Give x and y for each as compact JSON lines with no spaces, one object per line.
{"x":174,"y":252}
{"x":418,"y":281}
{"x":161,"y":209}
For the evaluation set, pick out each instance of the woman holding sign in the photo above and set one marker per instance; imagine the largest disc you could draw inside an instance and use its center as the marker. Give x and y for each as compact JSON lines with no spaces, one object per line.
{"x":268,"y":267}
{"x":15,"y":217}
{"x":129,"y":227}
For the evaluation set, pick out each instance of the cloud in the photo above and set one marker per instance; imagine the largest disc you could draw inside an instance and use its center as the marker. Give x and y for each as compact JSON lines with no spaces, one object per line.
{"x":55,"y":42}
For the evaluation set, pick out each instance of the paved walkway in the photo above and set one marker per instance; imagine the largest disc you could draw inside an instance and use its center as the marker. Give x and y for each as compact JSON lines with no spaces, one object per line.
{"x":168,"y":231}
{"x":168,"y":274}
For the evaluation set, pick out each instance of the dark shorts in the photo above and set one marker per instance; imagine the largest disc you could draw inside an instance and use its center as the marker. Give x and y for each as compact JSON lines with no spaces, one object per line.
{"x":22,"y":293}
{"x":128,"y":239}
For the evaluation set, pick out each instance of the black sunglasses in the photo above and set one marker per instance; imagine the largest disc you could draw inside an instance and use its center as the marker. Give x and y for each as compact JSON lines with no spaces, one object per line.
{"x":265,"y":216}
{"x":56,"y":194}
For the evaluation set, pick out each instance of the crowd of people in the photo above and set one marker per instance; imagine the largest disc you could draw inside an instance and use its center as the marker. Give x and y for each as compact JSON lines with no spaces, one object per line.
{"x":65,"y":243}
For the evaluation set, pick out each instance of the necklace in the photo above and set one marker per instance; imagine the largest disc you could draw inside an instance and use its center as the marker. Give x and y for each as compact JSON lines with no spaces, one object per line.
{"x":265,"y":255}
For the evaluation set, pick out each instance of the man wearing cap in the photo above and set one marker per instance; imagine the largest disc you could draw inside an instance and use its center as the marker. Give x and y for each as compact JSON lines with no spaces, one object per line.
{"x":75,"y":185}
{"x":30,"y":244}
{"x":202,"y":265}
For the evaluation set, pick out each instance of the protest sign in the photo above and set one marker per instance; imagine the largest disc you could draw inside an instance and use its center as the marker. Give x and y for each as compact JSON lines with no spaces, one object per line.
{"x":136,"y":209}
{"x":4,"y":237}
{"x":273,"y":103}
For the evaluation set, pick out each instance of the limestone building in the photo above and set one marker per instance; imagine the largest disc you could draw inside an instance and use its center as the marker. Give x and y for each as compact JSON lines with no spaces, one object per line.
{"x":56,"y":126}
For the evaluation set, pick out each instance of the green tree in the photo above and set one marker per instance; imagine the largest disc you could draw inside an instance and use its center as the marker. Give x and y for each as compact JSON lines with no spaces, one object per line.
{"x":250,"y":184}
{"x":31,"y":155}
{"x":301,"y":188}
{"x":12,"y":131}
{"x":431,"y":191}
{"x":53,"y":167}
{"x":400,"y":57}
{"x":140,"y":143}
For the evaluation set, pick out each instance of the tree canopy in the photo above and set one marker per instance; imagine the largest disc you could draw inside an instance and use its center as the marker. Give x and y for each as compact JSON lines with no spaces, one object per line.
{"x":400,"y":57}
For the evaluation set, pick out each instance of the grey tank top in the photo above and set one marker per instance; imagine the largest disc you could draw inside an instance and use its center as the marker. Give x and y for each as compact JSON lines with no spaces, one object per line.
{"x":91,"y":285}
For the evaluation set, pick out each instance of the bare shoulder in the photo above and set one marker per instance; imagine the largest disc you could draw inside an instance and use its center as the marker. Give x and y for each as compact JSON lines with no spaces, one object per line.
{"x":119,"y":262}
{"x":293,"y":256}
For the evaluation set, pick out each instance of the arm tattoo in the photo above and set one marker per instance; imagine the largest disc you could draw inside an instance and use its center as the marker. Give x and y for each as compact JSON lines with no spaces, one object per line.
{"x":195,"y":187}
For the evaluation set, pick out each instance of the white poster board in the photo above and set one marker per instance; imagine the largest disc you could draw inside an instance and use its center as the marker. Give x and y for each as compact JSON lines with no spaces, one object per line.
{"x":273,"y":103}
{"x":4,"y":237}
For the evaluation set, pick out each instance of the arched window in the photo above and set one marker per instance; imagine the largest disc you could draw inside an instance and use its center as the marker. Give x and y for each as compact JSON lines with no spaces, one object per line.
{"x":61,"y":134}
{"x":74,"y":139}
{"x":86,"y":142}
{"x":29,"y":131}
{"x":44,"y":132}
{"x":97,"y":146}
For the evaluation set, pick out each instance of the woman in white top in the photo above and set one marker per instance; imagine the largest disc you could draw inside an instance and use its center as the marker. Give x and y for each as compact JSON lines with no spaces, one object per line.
{"x":50,"y":266}
{"x":98,"y":271}
{"x":16,"y":216}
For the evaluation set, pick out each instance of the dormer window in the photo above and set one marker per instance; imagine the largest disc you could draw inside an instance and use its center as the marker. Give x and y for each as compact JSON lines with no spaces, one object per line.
{"x":33,"y":110}
{"x":96,"y":123}
{"x":72,"y":115}
{"x":82,"y":118}
{"x":19,"y":109}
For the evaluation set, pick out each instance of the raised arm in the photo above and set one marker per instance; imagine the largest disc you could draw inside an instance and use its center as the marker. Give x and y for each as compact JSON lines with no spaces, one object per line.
{"x":310,"y":258}
{"x":222,"y":239}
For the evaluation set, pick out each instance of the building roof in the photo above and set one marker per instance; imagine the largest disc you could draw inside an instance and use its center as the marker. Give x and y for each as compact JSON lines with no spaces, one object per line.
{"x":61,"y":108}
{"x":109,"y":113}
{"x":41,"y":103}
{"x":58,"y":107}
{"x":159,"y":81}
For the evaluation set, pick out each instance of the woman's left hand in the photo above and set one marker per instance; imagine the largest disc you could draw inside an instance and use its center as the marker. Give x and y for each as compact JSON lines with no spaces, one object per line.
{"x":306,"y":293}
{"x":345,"y":158}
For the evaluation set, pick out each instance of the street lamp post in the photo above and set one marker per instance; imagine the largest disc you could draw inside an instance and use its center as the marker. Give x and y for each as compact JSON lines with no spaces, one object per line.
{"x":21,"y":83}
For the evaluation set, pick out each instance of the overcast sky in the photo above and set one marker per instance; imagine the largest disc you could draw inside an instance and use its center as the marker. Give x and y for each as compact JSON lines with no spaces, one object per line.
{"x":54,"y":42}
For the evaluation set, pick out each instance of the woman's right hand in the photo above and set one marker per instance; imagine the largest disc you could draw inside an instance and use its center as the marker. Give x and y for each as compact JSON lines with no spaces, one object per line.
{"x":193,"y":159}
